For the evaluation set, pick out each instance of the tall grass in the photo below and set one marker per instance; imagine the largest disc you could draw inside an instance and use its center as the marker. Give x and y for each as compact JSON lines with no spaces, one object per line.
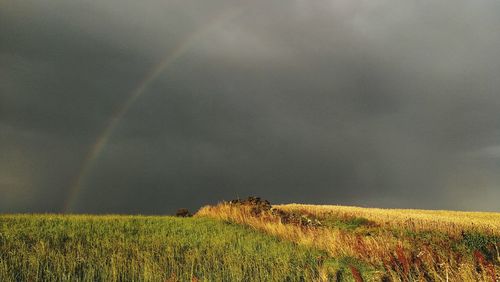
{"x":349,"y":244}
{"x":139,"y":248}
{"x":402,"y":245}
{"x":449,"y":222}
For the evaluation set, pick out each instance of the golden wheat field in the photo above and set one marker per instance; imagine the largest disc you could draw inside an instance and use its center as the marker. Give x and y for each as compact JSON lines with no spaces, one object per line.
{"x":400,"y":245}
{"x":413,"y":219}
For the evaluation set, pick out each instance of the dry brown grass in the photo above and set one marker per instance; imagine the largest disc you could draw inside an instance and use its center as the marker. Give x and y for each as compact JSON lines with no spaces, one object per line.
{"x":392,"y":241}
{"x":450,"y":222}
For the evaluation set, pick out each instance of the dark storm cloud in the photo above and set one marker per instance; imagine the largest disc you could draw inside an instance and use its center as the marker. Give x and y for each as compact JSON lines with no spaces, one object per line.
{"x":381,"y":103}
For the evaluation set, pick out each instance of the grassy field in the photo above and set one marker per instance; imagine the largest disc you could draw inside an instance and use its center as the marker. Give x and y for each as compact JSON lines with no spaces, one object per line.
{"x":401,"y":245}
{"x":450,"y":222}
{"x":247,"y":242}
{"x":140,"y":248}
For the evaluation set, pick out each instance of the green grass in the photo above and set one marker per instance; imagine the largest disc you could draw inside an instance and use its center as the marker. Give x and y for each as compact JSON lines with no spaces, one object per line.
{"x":140,"y":248}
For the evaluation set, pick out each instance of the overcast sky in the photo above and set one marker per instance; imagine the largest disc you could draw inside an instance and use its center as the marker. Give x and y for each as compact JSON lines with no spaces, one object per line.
{"x":384,"y":103}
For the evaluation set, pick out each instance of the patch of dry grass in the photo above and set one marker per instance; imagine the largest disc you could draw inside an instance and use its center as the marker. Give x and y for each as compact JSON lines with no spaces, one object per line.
{"x":449,"y":222}
{"x":404,"y":245}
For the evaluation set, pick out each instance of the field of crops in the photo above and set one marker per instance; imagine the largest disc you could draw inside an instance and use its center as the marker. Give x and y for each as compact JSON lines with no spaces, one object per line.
{"x":254,"y":241}
{"x":401,"y":245}
{"x":140,"y":248}
{"x":450,"y":222}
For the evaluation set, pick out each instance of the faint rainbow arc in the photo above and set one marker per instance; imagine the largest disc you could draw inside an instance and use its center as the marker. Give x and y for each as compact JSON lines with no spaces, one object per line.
{"x":96,"y":149}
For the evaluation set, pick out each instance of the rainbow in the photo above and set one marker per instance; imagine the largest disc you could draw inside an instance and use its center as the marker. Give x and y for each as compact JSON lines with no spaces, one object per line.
{"x":170,"y":57}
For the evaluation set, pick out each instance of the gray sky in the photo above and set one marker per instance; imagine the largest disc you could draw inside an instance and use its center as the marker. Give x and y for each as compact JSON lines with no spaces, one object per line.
{"x":383,"y":103}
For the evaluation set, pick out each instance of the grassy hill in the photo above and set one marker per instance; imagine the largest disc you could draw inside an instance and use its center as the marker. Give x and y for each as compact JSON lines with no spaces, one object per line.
{"x":254,"y":241}
{"x":397,"y":245}
{"x":144,"y":248}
